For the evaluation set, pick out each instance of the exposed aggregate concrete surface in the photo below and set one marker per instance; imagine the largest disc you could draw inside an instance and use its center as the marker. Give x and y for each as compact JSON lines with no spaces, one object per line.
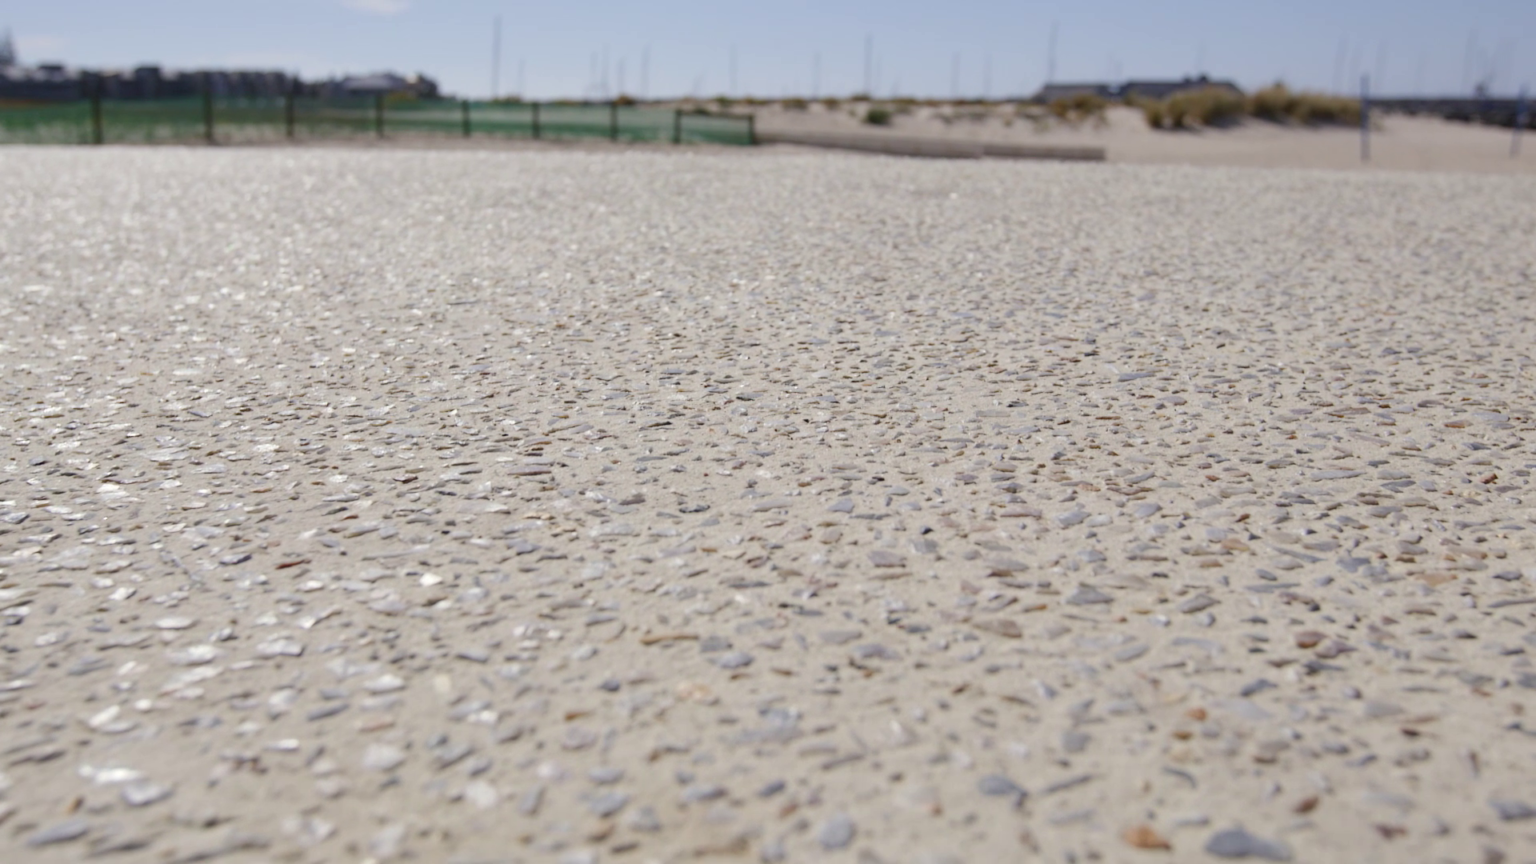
{"x":589,"y":507}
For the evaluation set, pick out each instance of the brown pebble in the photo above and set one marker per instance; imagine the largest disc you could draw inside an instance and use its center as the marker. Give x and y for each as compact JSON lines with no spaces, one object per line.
{"x":1195,"y":713}
{"x":1306,"y":805}
{"x":1143,"y":837}
{"x":1309,"y":638}
{"x":1001,"y":626}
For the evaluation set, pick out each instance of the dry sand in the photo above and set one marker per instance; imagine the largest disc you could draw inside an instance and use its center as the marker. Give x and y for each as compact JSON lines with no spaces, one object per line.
{"x":1399,"y":143}
{"x":538,"y":506}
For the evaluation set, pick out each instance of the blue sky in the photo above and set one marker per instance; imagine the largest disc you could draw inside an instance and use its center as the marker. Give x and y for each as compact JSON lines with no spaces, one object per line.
{"x":558,"y":49}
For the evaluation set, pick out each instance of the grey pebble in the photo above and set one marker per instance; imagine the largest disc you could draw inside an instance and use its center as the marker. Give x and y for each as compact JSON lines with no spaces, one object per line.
{"x":1258,"y":686}
{"x":142,"y":793}
{"x":605,"y":776}
{"x":1238,"y":843}
{"x":1066,"y":783}
{"x":1510,"y":810}
{"x":999,"y":786}
{"x":1375,"y":709}
{"x":1131,"y":652}
{"x":1197,"y":603}
{"x":734,"y":660}
{"x":325,"y":711}
{"x":836,"y":833}
{"x":1067,"y":520}
{"x":1074,"y":742}
{"x":607,"y":804}
{"x":702,"y":792}
{"x":643,"y":819}
{"x":528,"y":804}
{"x":61,"y":832}
{"x":874,"y":652}
{"x":383,"y":757}
{"x":1088,"y":595}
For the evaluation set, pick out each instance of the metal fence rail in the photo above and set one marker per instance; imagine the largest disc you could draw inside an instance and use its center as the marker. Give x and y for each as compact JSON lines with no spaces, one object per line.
{"x":239,"y":121}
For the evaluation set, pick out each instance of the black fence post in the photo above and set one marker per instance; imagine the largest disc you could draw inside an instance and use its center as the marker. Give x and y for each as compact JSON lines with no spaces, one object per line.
{"x":378,"y":114}
{"x":752,"y":129}
{"x":465,"y":106}
{"x":1365,"y":118}
{"x":288,"y":113}
{"x":677,"y":126}
{"x":535,"y":119}
{"x":1521,"y":119}
{"x":97,"y":136}
{"x":208,"y":107}
{"x":613,"y":121}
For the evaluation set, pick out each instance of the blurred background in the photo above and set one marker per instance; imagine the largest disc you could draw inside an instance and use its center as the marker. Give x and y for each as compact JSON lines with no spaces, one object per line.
{"x":887,"y":48}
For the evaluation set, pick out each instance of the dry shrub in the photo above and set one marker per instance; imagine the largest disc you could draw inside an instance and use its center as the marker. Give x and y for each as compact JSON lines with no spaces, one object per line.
{"x":1278,"y":104}
{"x":1079,"y":107}
{"x":1208,"y":106}
{"x":794,"y":104}
{"x":1215,"y":106}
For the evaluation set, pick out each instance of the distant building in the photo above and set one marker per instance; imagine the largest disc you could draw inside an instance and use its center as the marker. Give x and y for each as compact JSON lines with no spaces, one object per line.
{"x":49,"y":82}
{"x":1164,"y":89}
{"x":1052,"y":92}
{"x":1131,"y":89}
{"x":379,"y":84}
{"x":55,"y":82}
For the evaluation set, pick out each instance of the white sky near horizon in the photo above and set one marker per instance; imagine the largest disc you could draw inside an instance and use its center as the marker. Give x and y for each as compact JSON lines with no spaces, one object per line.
{"x":686,"y":47}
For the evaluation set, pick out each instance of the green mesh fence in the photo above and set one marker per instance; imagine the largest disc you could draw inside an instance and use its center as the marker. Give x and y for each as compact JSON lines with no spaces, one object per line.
{"x":59,"y":123}
{"x":258,"y":120}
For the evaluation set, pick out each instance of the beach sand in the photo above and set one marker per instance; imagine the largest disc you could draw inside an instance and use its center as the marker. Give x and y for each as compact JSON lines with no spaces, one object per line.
{"x":684,"y":505}
{"x":1398,"y":143}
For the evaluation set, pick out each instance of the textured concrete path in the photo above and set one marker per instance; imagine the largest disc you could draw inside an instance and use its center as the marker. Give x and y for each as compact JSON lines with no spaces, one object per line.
{"x":539,"y":506}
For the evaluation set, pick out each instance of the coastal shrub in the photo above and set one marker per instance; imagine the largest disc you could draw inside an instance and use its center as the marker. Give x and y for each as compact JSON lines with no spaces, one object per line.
{"x":830,"y":103}
{"x":1319,"y":109}
{"x":1214,"y":106}
{"x":1278,"y":104}
{"x":1208,"y":106}
{"x":794,"y":104}
{"x":624,"y":99}
{"x":878,"y":116}
{"x":1274,"y":103}
{"x":1079,"y":107}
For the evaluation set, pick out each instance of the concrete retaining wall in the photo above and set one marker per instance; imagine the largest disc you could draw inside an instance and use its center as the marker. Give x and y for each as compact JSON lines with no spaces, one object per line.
{"x":933,"y":148}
